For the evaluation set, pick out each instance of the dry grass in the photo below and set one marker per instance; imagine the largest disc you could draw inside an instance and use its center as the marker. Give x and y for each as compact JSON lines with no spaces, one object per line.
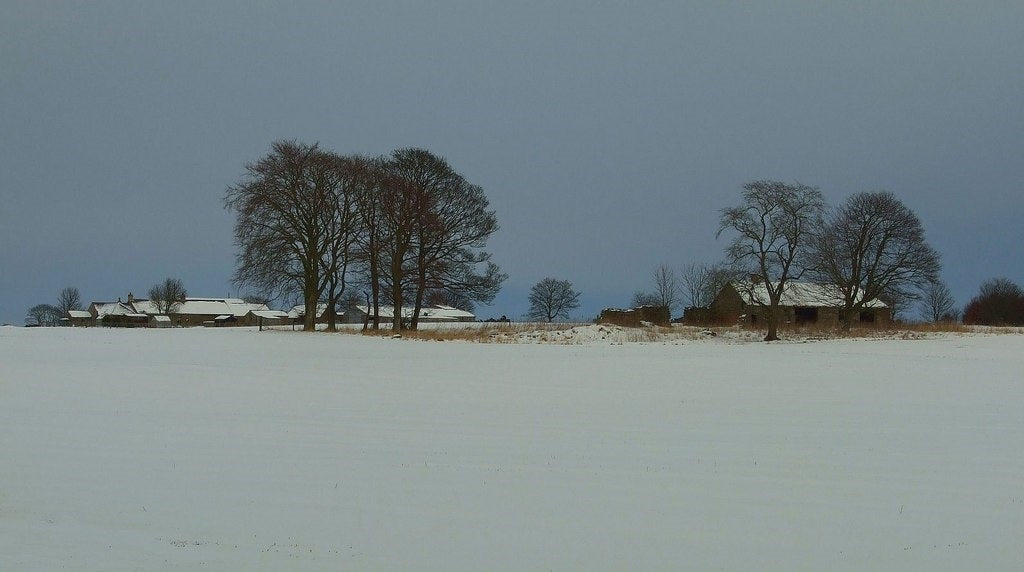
{"x":480,"y":332}
{"x":894,"y":331}
{"x":579,"y":333}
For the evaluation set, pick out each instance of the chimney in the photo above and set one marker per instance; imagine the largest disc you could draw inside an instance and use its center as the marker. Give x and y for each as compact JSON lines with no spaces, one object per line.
{"x":131,"y":298}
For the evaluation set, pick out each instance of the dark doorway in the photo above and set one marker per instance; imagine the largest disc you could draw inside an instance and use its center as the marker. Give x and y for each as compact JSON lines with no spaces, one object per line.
{"x":805,"y":315}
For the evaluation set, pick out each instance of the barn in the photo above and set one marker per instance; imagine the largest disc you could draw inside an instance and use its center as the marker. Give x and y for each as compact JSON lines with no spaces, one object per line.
{"x":802,"y":304}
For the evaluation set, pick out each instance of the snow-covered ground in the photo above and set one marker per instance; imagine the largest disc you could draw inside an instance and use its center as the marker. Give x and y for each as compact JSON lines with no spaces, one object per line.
{"x":228,"y":449}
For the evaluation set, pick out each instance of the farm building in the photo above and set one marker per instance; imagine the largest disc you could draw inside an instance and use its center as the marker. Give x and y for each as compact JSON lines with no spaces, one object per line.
{"x":137,"y":312}
{"x":428,"y":314}
{"x":298,"y":313}
{"x":802,"y":303}
{"x":80,"y":318}
{"x":636,"y":317}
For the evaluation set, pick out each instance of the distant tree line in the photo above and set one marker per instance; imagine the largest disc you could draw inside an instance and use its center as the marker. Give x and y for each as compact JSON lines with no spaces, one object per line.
{"x":401,"y":230}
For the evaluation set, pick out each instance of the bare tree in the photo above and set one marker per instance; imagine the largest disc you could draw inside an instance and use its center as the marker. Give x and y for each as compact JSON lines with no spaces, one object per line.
{"x":255,"y":299}
{"x":401,"y":203}
{"x":551,"y":298}
{"x":452,"y":225}
{"x":702,"y":282}
{"x":938,"y":305}
{"x":369,"y":240}
{"x":44,"y":315}
{"x":773,"y":223}
{"x":666,"y":287}
{"x":345,"y":178}
{"x":167,"y":295}
{"x":870,"y":248}
{"x":641,"y":298}
{"x":666,"y":292}
{"x":68,"y":300}
{"x":450,"y":298}
{"x":279,"y":226}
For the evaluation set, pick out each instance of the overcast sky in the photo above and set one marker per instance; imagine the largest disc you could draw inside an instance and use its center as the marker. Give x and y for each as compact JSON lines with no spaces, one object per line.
{"x":607,"y":135}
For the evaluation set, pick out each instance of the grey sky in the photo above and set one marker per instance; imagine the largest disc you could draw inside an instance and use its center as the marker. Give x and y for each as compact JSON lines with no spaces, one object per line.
{"x":607,"y":135}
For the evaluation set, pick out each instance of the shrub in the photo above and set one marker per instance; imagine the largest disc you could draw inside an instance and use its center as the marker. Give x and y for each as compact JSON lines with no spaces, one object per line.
{"x":1000,"y":303}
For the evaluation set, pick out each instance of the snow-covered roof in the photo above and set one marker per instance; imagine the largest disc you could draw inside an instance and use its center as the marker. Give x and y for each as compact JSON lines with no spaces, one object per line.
{"x":269,"y":314}
{"x":451,"y":311}
{"x":190,"y":307}
{"x":161,"y":318}
{"x":79,"y":314}
{"x":300,"y":310}
{"x":800,"y":294}
{"x":104,"y":308}
{"x":118,"y":309}
{"x":436,"y":313}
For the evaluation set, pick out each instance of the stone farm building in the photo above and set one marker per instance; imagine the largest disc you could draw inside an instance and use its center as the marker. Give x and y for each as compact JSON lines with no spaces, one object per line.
{"x":802,"y":303}
{"x":636,"y":317}
{"x":136,"y":313}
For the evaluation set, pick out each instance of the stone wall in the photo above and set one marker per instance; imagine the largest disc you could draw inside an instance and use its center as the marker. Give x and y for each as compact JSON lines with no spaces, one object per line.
{"x":635,"y":317}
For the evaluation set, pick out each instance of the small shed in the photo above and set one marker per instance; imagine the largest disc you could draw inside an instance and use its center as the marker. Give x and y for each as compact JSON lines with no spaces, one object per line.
{"x":160,"y":321}
{"x":80,"y":318}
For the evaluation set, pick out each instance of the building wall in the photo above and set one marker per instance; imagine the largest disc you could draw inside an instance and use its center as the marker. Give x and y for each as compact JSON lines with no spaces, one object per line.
{"x":729,"y":308}
{"x":826,"y":317}
{"x":632,"y":318}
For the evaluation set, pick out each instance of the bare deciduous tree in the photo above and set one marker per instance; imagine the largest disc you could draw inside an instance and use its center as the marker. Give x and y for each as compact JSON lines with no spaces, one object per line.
{"x":938,"y":305}
{"x":702,"y":282}
{"x":666,"y":287}
{"x":44,"y":315}
{"x":167,"y":295}
{"x":255,"y":299}
{"x":450,"y":298}
{"x":641,"y":298}
{"x":870,"y":248}
{"x":400,"y":207}
{"x":452,"y":225}
{"x":551,"y":298}
{"x":666,"y":290}
{"x":370,"y":238}
{"x":69,"y":299}
{"x":279,"y":225}
{"x":773,"y":223}
{"x":345,"y":178}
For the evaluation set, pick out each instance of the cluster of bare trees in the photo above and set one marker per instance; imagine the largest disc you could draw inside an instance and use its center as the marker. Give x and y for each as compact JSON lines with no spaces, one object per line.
{"x":403,"y":229}
{"x":1000,"y":302}
{"x":168,"y":295}
{"x":51,"y":314}
{"x":872,"y":247}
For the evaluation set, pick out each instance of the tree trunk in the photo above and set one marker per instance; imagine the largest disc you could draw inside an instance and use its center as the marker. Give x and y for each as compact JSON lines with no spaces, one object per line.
{"x":421,"y":288}
{"x":309,"y":320}
{"x":374,"y":289}
{"x":332,"y":317}
{"x":396,"y":294}
{"x":366,"y":316}
{"x":772,"y":320}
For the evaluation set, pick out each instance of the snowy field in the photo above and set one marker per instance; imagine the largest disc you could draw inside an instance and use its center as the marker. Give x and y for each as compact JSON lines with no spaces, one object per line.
{"x":228,"y":449}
